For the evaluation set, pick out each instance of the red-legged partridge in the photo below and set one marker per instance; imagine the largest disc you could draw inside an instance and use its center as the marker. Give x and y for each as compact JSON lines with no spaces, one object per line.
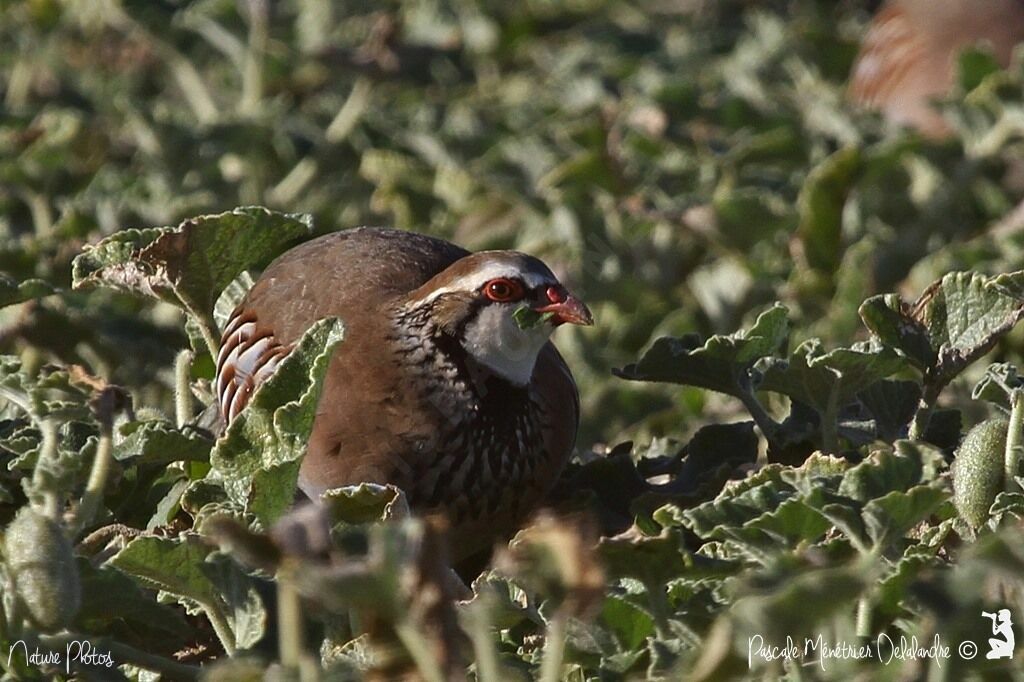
{"x":908,"y":57}
{"x":436,"y":387}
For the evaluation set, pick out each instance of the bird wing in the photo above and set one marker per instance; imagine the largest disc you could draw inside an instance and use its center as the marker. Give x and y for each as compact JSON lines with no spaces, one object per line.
{"x":559,"y":401}
{"x":349,"y":274}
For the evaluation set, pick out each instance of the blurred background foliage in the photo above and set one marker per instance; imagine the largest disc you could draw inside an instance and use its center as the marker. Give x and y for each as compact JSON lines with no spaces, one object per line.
{"x":680,"y":163}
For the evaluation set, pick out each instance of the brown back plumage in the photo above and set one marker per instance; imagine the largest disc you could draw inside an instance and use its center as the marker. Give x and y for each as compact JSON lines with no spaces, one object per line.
{"x":376,"y":422}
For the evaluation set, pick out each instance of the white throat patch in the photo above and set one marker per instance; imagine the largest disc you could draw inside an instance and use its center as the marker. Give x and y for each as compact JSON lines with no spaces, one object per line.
{"x":495,"y":340}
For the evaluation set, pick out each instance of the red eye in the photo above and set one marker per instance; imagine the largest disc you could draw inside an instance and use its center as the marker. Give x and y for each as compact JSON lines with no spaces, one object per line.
{"x":503,"y":290}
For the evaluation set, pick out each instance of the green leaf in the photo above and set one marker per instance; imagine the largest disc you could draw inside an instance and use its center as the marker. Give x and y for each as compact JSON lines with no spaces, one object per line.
{"x":798,"y":604}
{"x":893,"y":589}
{"x":173,"y":565}
{"x":189,"y":570}
{"x":973,"y":66}
{"x":651,"y":559}
{"x":954,"y":322}
{"x":365,"y":503}
{"x":888,"y":518}
{"x":48,"y":394}
{"x":717,"y":364}
{"x":830,"y":380}
{"x":884,"y":472}
{"x":528,"y":318}
{"x":630,"y":624}
{"x":998,"y":384}
{"x":160,"y":442}
{"x":820,"y":206}
{"x":895,"y":324}
{"x":112,"y":602}
{"x":714,"y":447}
{"x":892,"y":404}
{"x":738,"y":504}
{"x":191,"y":264}
{"x":12,"y":292}
{"x":257,"y":458}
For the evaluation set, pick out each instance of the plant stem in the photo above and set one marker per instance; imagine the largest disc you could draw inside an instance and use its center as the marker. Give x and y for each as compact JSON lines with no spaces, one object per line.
{"x":252,"y":73}
{"x":1014,"y":440}
{"x":289,"y":620}
{"x":764,"y":422}
{"x":419,"y":649}
{"x":659,"y":608}
{"x":97,"y":476}
{"x":39,"y":207}
{"x":554,"y":647}
{"x":47,"y":454}
{"x":182,"y":387}
{"x":923,"y":416}
{"x":487,"y":668}
{"x":208,"y":331}
{"x":351,"y":111}
{"x":220,"y":627}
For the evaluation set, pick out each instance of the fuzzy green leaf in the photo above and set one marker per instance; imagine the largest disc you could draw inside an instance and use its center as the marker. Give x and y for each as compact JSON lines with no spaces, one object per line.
{"x":816,"y":378}
{"x":956,"y":321}
{"x":716,"y":364}
{"x":12,"y":291}
{"x":257,"y":458}
{"x":187,"y":568}
{"x":189,"y":265}
{"x":160,"y":442}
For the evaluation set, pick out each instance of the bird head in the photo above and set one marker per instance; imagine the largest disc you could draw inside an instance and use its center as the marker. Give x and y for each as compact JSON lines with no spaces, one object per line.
{"x":501,"y":306}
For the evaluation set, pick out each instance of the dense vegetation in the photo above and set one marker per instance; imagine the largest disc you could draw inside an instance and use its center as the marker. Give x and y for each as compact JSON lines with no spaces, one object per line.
{"x":690,"y":168}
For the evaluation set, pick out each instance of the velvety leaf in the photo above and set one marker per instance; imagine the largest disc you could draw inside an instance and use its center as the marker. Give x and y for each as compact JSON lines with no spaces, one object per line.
{"x":12,"y":292}
{"x":998,"y":384}
{"x":185,"y":568}
{"x":171,"y":565}
{"x":716,"y":364}
{"x":189,"y":265}
{"x":884,"y":472}
{"x":792,"y":522}
{"x":715,"y":446}
{"x":1007,"y":505}
{"x":799,"y":604}
{"x":256,"y":460}
{"x":160,"y":442}
{"x":51,"y":394}
{"x":365,"y":503}
{"x":956,"y":321}
{"x":736,"y":508}
{"x":893,"y":588}
{"x":823,"y":380}
{"x":112,"y":601}
{"x":892,"y":404}
{"x":895,"y":325}
{"x":889,"y":517}
{"x":630,"y":624}
{"x":651,"y":559}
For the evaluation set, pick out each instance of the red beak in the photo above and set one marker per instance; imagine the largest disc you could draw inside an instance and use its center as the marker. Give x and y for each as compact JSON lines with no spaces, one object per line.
{"x":566,"y":308}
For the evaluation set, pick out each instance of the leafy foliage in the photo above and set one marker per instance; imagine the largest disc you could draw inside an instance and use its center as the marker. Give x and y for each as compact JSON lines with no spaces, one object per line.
{"x":777,"y":455}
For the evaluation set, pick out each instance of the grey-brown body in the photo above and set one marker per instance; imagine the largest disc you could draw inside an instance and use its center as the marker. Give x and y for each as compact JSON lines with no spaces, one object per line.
{"x":403,"y":402}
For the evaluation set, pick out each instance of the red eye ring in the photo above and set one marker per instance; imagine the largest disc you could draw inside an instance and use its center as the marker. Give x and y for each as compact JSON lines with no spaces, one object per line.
{"x":503,"y":290}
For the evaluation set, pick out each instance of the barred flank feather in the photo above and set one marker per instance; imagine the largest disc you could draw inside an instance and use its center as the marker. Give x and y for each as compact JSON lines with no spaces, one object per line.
{"x":246,"y":358}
